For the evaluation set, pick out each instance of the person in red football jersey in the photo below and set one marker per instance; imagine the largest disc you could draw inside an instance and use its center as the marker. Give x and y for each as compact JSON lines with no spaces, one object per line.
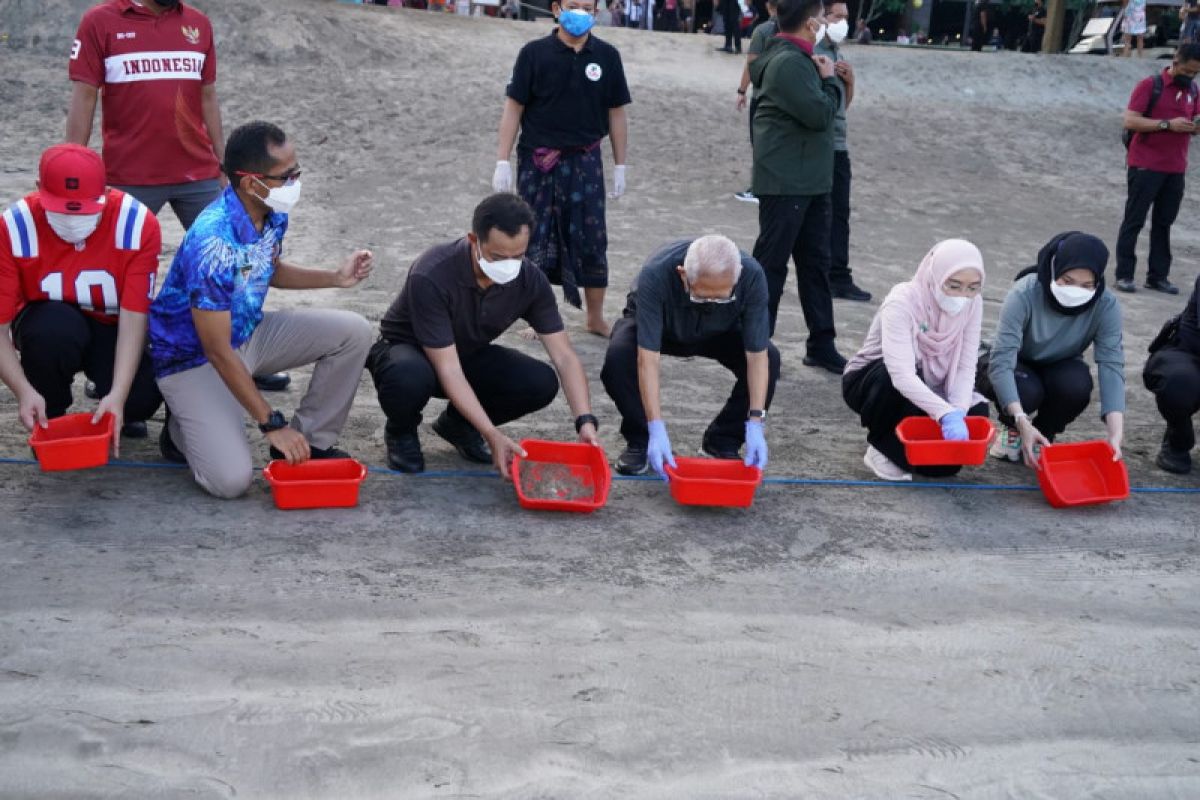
{"x":77,"y":269}
{"x":152,"y":65}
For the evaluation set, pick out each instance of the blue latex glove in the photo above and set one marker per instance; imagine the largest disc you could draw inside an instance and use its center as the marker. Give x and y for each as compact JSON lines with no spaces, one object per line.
{"x":756,"y":445}
{"x":954,"y":426}
{"x":659,"y":450}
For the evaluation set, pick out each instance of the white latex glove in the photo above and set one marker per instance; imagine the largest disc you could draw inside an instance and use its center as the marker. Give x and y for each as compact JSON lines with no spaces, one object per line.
{"x":502,"y":177}
{"x":618,"y":181}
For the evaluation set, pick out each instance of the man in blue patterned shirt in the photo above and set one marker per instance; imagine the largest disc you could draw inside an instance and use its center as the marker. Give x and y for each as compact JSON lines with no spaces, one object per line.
{"x":209,"y":335}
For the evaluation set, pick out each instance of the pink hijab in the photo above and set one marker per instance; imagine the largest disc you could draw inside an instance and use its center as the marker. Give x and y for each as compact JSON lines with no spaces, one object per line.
{"x":939,"y":336}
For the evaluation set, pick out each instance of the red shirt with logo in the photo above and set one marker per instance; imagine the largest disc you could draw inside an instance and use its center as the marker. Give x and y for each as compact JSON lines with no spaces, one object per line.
{"x":114,"y":268}
{"x":150,"y":69}
{"x":1162,"y":151}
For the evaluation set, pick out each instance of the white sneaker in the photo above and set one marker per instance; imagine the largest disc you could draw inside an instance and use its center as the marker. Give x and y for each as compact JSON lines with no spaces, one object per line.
{"x":746,"y":197}
{"x":1007,"y":446}
{"x":883,"y":467}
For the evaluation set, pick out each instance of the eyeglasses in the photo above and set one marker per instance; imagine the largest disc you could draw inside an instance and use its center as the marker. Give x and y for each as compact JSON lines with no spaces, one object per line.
{"x":292,"y":174}
{"x":719,"y":301}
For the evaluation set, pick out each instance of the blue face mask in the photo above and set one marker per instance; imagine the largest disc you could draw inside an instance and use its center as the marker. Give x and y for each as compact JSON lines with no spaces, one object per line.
{"x":576,"y":22}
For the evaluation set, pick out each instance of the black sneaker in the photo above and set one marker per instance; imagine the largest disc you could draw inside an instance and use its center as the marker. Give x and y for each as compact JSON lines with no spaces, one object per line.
{"x":1126,"y":285}
{"x":848,"y":291}
{"x":466,"y":440}
{"x":1162,"y":285}
{"x":166,"y":445}
{"x":314,"y":453}
{"x":404,"y":452}
{"x":714,"y":448}
{"x":832,"y":360}
{"x":276,"y":382}
{"x":633,"y":461}
{"x":134,"y":430}
{"x":1178,"y":462}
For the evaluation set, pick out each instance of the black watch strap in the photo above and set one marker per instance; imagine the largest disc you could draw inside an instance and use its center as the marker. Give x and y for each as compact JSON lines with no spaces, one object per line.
{"x":275,"y":422}
{"x":584,"y":419}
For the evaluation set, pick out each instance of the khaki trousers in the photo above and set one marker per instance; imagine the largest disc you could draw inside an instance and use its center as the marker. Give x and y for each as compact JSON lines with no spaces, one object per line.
{"x":208,"y":423}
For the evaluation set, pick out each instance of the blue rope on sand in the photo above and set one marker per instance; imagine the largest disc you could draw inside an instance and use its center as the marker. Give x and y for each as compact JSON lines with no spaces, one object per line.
{"x":782,"y":481}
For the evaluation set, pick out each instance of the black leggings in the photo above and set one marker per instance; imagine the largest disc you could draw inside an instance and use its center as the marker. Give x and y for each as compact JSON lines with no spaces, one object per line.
{"x":870,"y":393}
{"x":57,"y":340}
{"x":1058,"y":392}
{"x":1173,"y":375}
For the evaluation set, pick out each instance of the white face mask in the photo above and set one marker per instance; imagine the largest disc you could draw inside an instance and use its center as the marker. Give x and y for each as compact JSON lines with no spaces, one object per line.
{"x":952,"y":305}
{"x":282,"y":199}
{"x":820,"y":34}
{"x":73,"y":228}
{"x":502,"y":272}
{"x":838,"y":31}
{"x":1071,"y":296}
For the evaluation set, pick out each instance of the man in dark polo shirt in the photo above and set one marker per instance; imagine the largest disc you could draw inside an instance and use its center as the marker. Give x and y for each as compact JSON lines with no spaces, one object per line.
{"x":693,"y":298}
{"x":437,"y":342}
{"x":1157,"y":161}
{"x":567,"y":92}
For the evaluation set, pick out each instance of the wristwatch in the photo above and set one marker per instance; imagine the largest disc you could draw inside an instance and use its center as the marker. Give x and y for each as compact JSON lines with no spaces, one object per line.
{"x":1164,"y":125}
{"x":275,"y":422}
{"x":741,"y":91}
{"x":758,"y":414}
{"x":584,"y":419}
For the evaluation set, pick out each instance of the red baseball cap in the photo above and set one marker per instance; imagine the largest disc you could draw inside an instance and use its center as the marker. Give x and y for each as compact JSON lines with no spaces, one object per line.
{"x":71,"y":180}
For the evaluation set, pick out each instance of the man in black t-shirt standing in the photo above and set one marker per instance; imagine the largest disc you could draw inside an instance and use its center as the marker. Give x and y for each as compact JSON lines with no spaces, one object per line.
{"x":704,"y":298}
{"x":1037,"y":28}
{"x":437,"y":342}
{"x":567,"y":92}
{"x":980,"y":19}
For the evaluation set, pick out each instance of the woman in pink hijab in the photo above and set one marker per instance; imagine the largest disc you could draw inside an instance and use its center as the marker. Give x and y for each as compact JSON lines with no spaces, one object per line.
{"x":919,"y":358}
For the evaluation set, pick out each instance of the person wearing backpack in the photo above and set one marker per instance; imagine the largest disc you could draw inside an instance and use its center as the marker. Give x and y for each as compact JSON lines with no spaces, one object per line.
{"x":1159,"y":126}
{"x":1172,"y":374}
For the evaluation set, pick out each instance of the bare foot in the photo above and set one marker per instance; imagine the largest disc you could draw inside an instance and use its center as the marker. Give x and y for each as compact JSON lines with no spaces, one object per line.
{"x":601,"y":328}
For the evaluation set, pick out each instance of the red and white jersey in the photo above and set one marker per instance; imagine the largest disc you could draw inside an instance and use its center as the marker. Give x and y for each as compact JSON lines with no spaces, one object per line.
{"x":114,"y":268}
{"x":150,"y":68}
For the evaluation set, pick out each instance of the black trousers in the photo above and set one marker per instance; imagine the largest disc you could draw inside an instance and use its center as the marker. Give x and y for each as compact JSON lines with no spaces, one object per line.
{"x":1163,"y":192}
{"x":620,"y":378}
{"x":797,"y":227}
{"x":753,"y":106}
{"x":869,"y":392}
{"x":1058,"y":392}
{"x":57,"y":340}
{"x":839,"y":228}
{"x":1173,"y":375}
{"x":508,"y":383}
{"x":731,"y":13}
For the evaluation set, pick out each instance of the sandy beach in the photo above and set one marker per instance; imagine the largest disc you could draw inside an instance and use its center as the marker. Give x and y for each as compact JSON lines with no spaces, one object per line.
{"x":833,"y":641}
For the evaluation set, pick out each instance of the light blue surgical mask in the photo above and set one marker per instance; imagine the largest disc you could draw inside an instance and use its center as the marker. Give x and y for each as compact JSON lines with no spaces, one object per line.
{"x":576,"y":22}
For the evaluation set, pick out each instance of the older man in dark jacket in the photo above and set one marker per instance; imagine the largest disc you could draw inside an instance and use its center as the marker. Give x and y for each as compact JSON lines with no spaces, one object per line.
{"x":799,"y":98}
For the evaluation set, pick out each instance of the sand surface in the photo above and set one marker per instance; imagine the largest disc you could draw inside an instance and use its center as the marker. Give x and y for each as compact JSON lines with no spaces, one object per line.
{"x":830,"y":642}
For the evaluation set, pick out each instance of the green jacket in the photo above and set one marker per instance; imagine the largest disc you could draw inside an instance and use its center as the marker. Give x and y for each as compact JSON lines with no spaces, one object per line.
{"x":794,"y":122}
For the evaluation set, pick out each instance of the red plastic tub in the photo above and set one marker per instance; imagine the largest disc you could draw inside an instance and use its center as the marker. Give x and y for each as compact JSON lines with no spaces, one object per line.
{"x":561,"y":476}
{"x":924,"y":445}
{"x":72,"y":442}
{"x":713,"y":482}
{"x":1082,"y":474}
{"x":332,"y":483}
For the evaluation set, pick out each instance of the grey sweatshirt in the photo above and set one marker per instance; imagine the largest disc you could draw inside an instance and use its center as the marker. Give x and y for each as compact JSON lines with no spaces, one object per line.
{"x":1034,"y":333}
